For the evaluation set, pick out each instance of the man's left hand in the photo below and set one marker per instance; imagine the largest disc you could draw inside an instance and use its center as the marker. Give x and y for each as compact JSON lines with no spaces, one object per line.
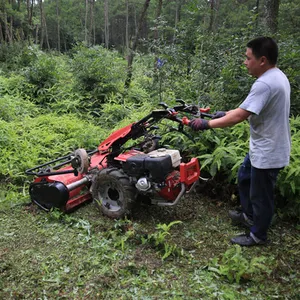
{"x":219,"y":114}
{"x":199,"y":124}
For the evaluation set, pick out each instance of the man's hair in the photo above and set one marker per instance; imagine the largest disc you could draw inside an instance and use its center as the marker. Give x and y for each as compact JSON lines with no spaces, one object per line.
{"x":264,"y":46}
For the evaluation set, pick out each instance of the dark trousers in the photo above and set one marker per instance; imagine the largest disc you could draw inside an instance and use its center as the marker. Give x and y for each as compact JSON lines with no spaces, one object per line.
{"x":256,"y":190}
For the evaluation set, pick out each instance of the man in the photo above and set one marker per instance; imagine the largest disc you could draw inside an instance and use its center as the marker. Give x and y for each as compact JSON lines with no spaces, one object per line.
{"x":267,"y":107}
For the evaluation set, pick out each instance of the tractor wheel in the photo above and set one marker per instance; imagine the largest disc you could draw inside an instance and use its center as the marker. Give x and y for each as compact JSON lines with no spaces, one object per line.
{"x":112,"y":193}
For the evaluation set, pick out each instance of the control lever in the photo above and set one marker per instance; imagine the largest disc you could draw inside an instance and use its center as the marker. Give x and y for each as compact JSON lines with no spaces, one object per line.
{"x":164,"y":105}
{"x":180,"y":101}
{"x":153,"y":127}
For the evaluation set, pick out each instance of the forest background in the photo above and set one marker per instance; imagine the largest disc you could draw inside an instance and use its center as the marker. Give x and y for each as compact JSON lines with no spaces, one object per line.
{"x":72,"y":71}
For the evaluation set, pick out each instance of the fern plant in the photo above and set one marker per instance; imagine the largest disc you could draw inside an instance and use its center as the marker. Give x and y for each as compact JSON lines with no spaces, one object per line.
{"x":288,"y":181}
{"x":225,"y":151}
{"x":234,"y":266}
{"x":159,"y":241}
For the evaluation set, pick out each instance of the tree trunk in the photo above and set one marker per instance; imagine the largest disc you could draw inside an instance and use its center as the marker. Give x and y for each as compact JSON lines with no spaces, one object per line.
{"x":135,"y":43}
{"x":106,"y":24}
{"x":127,"y":27}
{"x":37,"y":29}
{"x":158,"y":13}
{"x":85,"y":22}
{"x":58,"y":25}
{"x":271,"y":15}
{"x":7,"y":36}
{"x":44,"y":31}
{"x":92,"y":23}
{"x":29,"y":8}
{"x":41,"y":21}
{"x":214,"y":8}
{"x":1,"y":34}
{"x":29,"y":4}
{"x":156,"y":31}
{"x":11,"y":32}
{"x":177,"y":18}
{"x":257,"y":11}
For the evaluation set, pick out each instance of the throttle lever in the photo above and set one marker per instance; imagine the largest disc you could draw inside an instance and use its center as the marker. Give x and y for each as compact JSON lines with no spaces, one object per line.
{"x":185,"y":121}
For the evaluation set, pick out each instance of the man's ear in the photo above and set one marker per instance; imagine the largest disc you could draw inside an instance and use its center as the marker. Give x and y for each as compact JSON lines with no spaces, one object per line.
{"x":263,"y":60}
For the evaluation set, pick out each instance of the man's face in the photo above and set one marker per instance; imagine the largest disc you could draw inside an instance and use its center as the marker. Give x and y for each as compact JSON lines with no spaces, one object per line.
{"x":253,"y":64}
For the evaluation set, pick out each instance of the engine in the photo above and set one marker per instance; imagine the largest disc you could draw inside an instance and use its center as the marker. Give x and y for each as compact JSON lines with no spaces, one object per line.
{"x":156,"y":171}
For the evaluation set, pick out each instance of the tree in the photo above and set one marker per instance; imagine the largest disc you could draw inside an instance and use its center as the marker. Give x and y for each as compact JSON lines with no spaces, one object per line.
{"x":29,"y":9}
{"x":214,"y":8}
{"x":92,"y":23}
{"x":44,"y":30}
{"x":135,"y":43}
{"x":271,"y":10}
{"x":127,"y":26}
{"x":58,"y":24}
{"x":106,"y":24}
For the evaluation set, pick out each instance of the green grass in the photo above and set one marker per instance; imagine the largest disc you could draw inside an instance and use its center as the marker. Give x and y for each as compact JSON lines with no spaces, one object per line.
{"x":84,"y":255}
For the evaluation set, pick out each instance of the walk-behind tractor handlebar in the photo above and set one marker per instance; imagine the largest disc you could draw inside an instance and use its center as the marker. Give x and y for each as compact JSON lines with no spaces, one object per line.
{"x":115,"y":176}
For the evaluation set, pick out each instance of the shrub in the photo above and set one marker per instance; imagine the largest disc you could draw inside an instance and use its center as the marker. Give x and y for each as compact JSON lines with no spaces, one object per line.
{"x":289,"y":178}
{"x":234,"y":266}
{"x":17,"y":55}
{"x":43,"y":72}
{"x":98,"y":73}
{"x":289,"y":62}
{"x":13,"y":108}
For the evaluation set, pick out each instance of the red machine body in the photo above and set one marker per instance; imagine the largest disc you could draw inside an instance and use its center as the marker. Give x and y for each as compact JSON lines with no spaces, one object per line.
{"x":115,"y":176}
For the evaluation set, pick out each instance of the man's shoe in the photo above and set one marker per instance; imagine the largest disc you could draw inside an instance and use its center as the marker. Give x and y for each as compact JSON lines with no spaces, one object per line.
{"x":239,"y":218}
{"x":247,"y":240}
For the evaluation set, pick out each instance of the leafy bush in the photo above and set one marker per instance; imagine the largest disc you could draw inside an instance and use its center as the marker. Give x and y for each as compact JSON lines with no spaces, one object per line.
{"x":15,"y":85}
{"x":289,"y":62}
{"x":43,"y":72}
{"x":99,"y":73}
{"x":13,"y":108}
{"x":17,"y":55}
{"x":234,"y":266}
{"x":226,"y":151}
{"x":289,"y":178}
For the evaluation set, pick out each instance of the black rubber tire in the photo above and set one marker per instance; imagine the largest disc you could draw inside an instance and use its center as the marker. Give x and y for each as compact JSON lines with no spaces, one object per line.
{"x":113,"y":193}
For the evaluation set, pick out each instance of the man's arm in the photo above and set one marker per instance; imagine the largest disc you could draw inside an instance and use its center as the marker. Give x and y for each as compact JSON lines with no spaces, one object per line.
{"x":231,"y":118}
